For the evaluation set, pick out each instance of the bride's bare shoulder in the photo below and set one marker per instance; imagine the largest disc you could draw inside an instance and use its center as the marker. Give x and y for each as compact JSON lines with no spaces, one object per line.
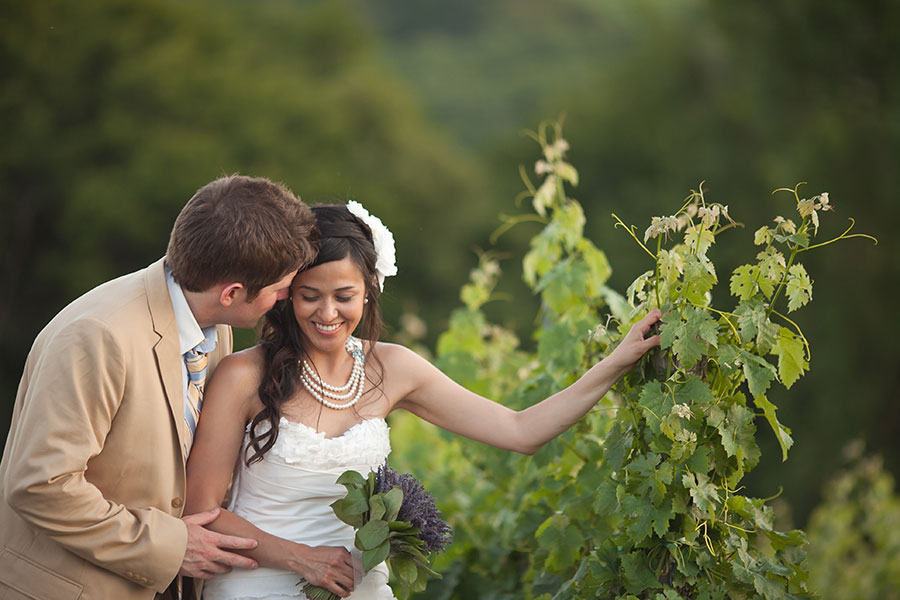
{"x":244,"y":364}
{"x":388,"y":351}
{"x":237,"y":378}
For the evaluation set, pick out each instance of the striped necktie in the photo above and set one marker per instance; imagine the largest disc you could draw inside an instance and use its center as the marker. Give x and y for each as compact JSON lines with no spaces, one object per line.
{"x":196,"y":362}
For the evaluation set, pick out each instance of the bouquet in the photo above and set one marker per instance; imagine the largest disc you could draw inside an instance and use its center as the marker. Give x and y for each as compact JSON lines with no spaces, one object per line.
{"x":395,"y":520}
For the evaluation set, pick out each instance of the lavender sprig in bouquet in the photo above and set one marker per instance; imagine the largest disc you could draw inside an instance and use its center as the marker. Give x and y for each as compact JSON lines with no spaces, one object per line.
{"x":395,"y":520}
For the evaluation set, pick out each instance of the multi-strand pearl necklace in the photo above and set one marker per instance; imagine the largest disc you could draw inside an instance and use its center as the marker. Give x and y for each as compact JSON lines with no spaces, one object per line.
{"x":352,"y":389}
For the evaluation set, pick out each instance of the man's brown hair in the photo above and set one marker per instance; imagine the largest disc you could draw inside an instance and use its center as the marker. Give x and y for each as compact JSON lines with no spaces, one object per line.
{"x":240,"y":229}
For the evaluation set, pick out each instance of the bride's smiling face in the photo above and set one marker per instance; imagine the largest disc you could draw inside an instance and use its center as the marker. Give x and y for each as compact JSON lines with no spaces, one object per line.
{"x":328,"y":303}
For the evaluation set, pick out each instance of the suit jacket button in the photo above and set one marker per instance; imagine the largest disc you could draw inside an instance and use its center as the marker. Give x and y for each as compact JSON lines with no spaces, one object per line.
{"x":177,"y":502}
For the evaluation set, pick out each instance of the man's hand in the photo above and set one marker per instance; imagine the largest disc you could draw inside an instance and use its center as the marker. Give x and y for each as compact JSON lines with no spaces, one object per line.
{"x":207,"y":551}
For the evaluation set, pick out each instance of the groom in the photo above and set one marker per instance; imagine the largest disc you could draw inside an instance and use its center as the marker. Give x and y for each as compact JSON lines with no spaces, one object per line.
{"x":92,"y":476}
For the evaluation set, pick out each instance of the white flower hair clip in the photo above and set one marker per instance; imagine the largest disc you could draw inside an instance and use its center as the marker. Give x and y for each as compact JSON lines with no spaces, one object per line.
{"x":385,"y":253}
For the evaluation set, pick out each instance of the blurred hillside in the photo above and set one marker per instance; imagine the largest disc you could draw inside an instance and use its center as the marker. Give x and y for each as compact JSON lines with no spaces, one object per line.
{"x":114,"y":112}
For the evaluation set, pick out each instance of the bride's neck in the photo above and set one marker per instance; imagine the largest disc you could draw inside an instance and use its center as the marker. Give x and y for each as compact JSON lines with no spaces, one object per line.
{"x":330,"y":363}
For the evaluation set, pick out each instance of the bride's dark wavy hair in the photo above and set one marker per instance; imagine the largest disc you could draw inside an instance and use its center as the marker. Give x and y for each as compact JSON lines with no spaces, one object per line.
{"x":341,"y":235}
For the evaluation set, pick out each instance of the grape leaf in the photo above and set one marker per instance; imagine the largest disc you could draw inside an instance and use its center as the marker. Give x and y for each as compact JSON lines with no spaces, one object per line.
{"x":762,"y":236}
{"x":704,"y":493}
{"x":782,"y":433}
{"x":798,"y":287}
{"x":688,"y":338}
{"x":637,"y":573}
{"x":698,"y":239}
{"x":791,"y":360}
{"x":699,"y":278}
{"x":597,"y":263}
{"x":743,"y":282}
{"x":694,"y":391}
{"x":656,"y":404}
{"x":671,"y":265}
{"x":758,"y":371}
{"x":755,"y":325}
{"x":643,"y":517}
{"x":737,"y":430}
{"x":638,"y":516}
{"x":544,"y":253}
{"x":617,"y":445}
{"x":561,"y":540}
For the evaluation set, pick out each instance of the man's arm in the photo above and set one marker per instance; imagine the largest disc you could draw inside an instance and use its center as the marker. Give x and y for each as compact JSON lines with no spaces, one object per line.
{"x":75,"y":387}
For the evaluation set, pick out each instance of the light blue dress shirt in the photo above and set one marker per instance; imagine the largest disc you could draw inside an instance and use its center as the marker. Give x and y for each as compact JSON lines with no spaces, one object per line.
{"x":190,"y":336}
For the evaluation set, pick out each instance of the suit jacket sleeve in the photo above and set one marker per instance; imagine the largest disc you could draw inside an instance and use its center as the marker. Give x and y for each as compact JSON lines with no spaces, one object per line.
{"x":75,"y":388}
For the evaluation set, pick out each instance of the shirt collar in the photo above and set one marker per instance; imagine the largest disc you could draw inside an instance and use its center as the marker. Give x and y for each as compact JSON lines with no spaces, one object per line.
{"x":190,"y":335}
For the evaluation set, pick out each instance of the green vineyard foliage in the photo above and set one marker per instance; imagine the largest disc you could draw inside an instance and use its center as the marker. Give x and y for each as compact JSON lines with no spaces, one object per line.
{"x":641,"y":499}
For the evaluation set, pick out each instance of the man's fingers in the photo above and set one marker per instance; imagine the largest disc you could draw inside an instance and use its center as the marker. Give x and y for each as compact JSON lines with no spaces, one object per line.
{"x":202,"y":518}
{"x":229,"y":559}
{"x":233,"y":542}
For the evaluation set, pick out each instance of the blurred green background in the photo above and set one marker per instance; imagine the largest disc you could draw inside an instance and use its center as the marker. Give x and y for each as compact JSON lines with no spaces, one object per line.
{"x":114,"y":112}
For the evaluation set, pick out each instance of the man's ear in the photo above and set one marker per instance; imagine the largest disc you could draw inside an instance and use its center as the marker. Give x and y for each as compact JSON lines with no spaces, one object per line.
{"x":229,"y":293}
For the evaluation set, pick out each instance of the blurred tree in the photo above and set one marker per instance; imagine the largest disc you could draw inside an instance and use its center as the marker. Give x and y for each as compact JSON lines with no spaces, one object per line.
{"x":114,"y":112}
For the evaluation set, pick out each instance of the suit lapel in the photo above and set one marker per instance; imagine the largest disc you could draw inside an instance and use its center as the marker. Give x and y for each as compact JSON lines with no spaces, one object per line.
{"x":167,"y":349}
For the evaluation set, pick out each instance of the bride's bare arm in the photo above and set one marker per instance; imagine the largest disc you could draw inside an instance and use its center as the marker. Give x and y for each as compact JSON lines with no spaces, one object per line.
{"x":430,"y":394}
{"x":229,"y":402}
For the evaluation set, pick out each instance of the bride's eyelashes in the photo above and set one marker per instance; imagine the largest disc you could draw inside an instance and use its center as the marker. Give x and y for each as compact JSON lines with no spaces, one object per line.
{"x":338,"y":298}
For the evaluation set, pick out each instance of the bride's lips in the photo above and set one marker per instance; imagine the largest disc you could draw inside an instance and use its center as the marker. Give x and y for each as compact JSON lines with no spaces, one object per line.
{"x":324,"y":329}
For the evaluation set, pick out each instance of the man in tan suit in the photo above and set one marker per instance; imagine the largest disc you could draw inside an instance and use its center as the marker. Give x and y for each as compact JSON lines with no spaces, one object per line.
{"x":93,"y":477}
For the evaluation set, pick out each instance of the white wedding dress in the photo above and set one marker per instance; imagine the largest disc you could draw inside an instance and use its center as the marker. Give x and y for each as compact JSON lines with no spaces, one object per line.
{"x":289,"y":493}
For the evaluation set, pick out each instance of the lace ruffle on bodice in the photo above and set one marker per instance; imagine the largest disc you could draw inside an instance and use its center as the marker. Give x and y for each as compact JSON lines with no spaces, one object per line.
{"x":367,"y":442}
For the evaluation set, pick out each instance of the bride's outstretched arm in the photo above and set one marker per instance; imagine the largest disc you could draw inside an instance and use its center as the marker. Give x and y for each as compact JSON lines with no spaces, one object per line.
{"x":228,"y":404}
{"x":428,"y":393}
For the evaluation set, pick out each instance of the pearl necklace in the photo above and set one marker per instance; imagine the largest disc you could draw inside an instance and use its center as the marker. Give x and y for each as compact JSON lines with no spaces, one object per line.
{"x":352,"y":389}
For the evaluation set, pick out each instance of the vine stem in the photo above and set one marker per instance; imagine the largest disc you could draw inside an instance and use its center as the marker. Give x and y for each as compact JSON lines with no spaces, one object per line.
{"x":787,"y":270}
{"x":658,"y":246}
{"x":511,"y":221}
{"x":843,"y":236}
{"x":630,"y":231}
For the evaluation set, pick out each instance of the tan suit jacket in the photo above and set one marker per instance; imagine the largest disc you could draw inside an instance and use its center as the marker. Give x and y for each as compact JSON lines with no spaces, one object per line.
{"x":93,"y":476}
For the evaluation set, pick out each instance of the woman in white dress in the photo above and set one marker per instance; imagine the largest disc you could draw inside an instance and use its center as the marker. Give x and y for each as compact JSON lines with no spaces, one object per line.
{"x":310,"y":402}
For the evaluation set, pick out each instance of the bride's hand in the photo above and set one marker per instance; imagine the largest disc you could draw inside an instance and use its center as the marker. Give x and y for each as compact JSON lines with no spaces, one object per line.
{"x":636,"y":342}
{"x":328,"y":567}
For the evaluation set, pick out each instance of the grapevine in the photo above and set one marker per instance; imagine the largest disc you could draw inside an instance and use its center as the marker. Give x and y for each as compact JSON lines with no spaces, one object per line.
{"x":642,"y":499}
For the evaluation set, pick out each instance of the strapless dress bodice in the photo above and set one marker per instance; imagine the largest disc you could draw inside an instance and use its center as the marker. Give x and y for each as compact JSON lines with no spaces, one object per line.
{"x":289,"y":494}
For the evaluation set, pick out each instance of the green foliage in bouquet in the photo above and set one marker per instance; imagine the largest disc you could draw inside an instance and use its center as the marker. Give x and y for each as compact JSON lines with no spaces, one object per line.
{"x":395,"y":521}
{"x":642,"y":498}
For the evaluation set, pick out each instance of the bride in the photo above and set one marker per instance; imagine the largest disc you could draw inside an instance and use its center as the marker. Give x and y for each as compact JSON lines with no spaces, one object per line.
{"x":310,"y":402}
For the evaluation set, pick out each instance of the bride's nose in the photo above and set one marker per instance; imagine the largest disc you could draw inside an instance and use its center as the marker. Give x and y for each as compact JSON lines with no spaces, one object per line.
{"x":327,"y":310}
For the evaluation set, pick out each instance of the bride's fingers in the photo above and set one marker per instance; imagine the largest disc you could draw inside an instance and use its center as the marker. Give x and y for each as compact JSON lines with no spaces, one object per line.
{"x":341,"y":589}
